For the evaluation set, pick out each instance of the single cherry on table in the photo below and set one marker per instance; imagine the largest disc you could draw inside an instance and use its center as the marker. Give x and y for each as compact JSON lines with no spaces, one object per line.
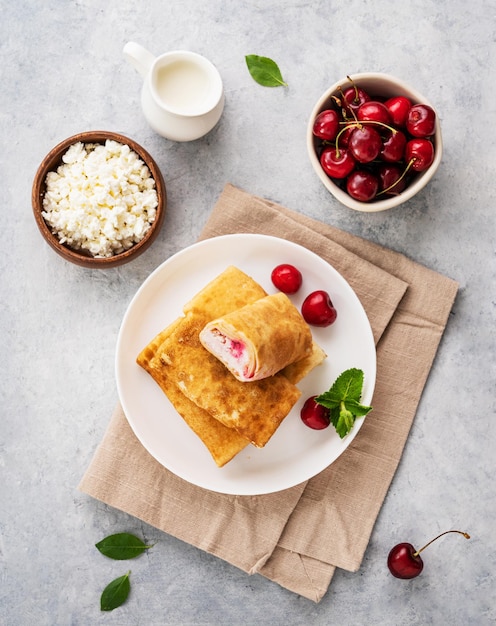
{"x":405,"y":562}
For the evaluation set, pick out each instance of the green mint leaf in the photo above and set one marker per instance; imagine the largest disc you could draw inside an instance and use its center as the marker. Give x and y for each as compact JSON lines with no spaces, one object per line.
{"x":343,"y":400}
{"x":121,"y":546}
{"x":115,"y":593}
{"x":357,"y":409}
{"x":264,"y":71}
{"x":344,"y":422}
{"x":347,"y":386}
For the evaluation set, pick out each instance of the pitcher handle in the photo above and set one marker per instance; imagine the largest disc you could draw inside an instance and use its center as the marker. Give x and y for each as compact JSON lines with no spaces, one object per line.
{"x":139,"y":57}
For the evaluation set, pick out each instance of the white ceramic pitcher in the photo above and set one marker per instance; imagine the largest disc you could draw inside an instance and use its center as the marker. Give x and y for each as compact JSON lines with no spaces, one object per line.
{"x":182,"y":96}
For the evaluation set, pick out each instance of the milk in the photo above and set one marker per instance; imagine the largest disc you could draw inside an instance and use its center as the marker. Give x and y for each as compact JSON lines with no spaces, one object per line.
{"x":183,"y":86}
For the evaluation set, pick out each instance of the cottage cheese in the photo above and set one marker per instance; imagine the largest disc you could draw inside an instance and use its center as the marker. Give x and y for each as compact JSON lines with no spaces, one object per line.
{"x":102,"y":198}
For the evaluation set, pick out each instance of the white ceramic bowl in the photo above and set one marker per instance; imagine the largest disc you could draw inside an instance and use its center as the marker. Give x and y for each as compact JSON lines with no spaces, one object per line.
{"x":385,"y":86}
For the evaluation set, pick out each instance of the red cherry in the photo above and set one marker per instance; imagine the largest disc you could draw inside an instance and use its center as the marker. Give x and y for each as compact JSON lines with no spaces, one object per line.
{"x":365,"y":144}
{"x":314,"y":415}
{"x":404,"y":561}
{"x":420,"y":152}
{"x":362,"y":185}
{"x":326,"y":125}
{"x":389,"y":174}
{"x":421,"y":121}
{"x":398,"y":108}
{"x":374,"y":111}
{"x":393,"y":147}
{"x":337,"y":163}
{"x":317,"y":309}
{"x":287,"y":278}
{"x":344,"y":135}
{"x":354,"y":97}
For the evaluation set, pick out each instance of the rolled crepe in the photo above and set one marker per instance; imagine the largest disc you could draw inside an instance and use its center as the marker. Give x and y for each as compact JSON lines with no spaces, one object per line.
{"x":259,"y":339}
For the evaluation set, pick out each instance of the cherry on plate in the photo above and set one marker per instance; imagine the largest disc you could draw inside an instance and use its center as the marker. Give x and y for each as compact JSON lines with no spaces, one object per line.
{"x":287,"y":278}
{"x":314,"y":415}
{"x":318,"y":310}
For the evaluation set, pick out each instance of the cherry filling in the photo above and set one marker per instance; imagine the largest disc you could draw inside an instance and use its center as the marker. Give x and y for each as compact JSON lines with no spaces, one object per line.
{"x":237,"y":348}
{"x":233,"y":350}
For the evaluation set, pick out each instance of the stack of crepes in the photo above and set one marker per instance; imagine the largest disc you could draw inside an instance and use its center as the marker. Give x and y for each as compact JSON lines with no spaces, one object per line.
{"x":230,"y":364}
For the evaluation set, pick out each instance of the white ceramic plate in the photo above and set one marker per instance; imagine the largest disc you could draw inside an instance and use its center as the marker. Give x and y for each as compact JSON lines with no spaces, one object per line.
{"x":295,"y":452}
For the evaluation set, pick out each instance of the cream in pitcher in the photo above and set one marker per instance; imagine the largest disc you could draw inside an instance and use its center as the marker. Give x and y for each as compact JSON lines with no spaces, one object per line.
{"x":182,"y":96}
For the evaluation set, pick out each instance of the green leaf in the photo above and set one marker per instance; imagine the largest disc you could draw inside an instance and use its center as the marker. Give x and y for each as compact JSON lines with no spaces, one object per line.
{"x":343,"y":400}
{"x":121,"y":546}
{"x":357,"y":409}
{"x":264,"y":71}
{"x":344,"y":423}
{"x":115,"y":593}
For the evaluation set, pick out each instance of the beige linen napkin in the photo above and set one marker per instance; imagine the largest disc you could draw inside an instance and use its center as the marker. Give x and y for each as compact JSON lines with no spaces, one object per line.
{"x":298,"y":537}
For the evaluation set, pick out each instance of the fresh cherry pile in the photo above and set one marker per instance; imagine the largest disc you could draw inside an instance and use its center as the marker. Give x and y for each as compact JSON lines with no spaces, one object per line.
{"x":372,"y":147}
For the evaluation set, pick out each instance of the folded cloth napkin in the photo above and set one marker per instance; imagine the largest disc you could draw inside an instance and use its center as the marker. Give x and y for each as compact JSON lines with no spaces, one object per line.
{"x":297,"y":537}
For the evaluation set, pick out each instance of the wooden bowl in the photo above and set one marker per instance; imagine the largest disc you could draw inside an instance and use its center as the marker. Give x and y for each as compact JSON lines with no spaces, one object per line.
{"x":80,"y":257}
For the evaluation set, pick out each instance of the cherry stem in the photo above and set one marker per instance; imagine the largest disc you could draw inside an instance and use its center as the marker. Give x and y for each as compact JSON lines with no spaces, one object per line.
{"x":357,"y":123}
{"x":355,"y":88}
{"x":466,"y":535}
{"x":410,"y":163}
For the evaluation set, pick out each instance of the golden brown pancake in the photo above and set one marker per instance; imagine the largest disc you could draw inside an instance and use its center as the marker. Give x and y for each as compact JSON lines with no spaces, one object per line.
{"x":229,"y":291}
{"x":298,"y":370}
{"x":222,"y":442}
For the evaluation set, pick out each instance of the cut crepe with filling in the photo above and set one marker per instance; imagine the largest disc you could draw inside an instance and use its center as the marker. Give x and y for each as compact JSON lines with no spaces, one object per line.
{"x":254,"y":409}
{"x":259,"y":339}
{"x":222,"y":442}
